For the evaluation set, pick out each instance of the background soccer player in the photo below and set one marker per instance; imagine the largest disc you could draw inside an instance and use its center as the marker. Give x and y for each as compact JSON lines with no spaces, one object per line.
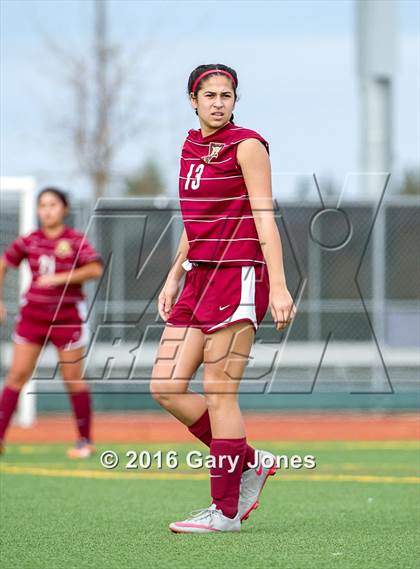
{"x":53,"y":308}
{"x":234,"y":272}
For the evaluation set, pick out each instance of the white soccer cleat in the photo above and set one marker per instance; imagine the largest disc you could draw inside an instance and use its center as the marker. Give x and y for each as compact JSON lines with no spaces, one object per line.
{"x":82,"y":449}
{"x":252,"y":483}
{"x":208,"y":520}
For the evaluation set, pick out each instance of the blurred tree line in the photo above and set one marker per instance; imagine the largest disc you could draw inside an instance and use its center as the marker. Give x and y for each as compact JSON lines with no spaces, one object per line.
{"x":146,"y":181}
{"x":411,"y":183}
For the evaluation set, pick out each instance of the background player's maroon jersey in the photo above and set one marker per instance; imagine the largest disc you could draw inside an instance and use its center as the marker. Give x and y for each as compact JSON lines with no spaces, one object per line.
{"x":68,"y":250}
{"x":214,"y":200}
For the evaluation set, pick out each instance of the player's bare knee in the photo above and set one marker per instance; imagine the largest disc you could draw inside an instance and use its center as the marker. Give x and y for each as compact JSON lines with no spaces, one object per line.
{"x":16,"y":379}
{"x":160,"y":393}
{"x":157,"y":395}
{"x":164,"y":392}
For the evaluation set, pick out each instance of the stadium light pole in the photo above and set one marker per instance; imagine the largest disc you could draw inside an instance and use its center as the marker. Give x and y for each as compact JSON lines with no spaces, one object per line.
{"x":376,"y":58}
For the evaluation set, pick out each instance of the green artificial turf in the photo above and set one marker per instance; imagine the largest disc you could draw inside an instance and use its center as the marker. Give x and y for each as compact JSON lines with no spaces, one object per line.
{"x":359,"y":508}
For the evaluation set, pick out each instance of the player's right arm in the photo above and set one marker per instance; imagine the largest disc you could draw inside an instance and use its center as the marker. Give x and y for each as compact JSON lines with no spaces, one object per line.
{"x":12,"y":257}
{"x":169,"y":293}
{"x":3,"y":269}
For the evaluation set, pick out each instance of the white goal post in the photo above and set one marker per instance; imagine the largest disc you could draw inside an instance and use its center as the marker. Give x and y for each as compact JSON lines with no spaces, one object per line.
{"x":24,"y":188}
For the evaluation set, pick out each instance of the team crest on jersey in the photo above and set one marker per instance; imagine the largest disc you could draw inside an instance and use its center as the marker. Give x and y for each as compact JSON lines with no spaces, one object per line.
{"x":63,"y":248}
{"x":214,"y":150}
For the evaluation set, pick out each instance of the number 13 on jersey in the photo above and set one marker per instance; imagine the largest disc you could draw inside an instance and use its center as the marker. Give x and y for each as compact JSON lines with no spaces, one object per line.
{"x":194,"y":176}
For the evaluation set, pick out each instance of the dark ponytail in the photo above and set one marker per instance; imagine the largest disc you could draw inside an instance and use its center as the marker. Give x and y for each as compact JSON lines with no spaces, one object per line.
{"x":212,"y":66}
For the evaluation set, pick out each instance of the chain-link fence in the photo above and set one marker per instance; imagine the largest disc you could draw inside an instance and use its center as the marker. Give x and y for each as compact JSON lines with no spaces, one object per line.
{"x":354,"y":273}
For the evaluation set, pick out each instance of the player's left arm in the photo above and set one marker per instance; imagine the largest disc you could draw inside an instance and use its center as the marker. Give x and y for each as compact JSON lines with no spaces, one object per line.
{"x":255,"y":164}
{"x":92,"y":270}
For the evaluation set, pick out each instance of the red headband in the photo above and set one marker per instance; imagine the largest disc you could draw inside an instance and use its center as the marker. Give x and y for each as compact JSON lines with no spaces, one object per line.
{"x":197,"y":81}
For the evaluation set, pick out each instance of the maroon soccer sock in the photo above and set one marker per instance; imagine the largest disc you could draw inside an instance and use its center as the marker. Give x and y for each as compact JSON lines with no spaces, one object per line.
{"x":249,"y":457}
{"x":202,"y":430}
{"x":80,"y":402}
{"x":225,"y":479}
{"x":8,"y":403}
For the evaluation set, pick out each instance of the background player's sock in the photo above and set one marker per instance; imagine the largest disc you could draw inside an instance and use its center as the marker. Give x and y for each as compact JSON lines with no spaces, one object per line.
{"x":224,"y":484}
{"x":202,"y":430}
{"x":8,"y":402}
{"x":82,"y":410}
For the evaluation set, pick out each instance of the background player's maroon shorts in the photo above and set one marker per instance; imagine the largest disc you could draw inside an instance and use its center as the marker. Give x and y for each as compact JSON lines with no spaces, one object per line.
{"x":214,"y":297}
{"x":35,"y":323}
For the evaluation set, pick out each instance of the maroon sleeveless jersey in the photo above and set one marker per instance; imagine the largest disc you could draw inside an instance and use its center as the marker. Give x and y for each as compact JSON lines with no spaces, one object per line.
{"x":214,"y":199}
{"x":69,"y":250}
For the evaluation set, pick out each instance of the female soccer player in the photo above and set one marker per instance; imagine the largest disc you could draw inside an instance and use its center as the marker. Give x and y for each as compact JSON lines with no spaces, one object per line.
{"x":53,"y":308}
{"x":231,"y":250}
